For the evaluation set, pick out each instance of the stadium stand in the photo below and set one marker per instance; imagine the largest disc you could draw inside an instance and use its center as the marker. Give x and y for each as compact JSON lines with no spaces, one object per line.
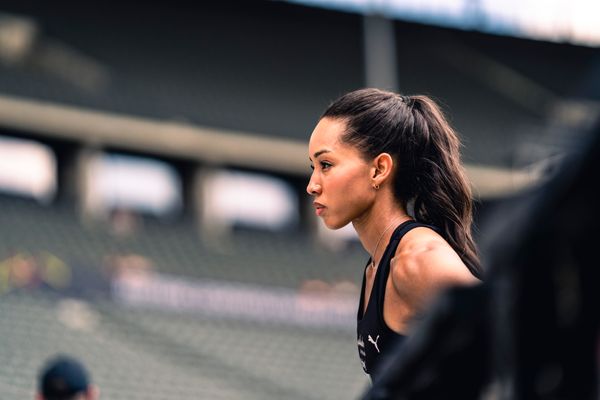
{"x":146,"y":353}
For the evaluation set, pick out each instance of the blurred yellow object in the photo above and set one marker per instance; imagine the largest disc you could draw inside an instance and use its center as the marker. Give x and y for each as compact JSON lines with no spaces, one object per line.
{"x":24,"y":270}
{"x":55,"y":272}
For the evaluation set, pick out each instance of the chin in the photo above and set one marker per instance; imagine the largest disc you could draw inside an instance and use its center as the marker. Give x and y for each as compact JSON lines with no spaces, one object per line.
{"x":334,"y":225}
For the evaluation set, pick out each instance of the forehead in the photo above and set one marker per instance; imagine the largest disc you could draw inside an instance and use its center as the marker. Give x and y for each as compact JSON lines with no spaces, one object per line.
{"x":326,"y":136}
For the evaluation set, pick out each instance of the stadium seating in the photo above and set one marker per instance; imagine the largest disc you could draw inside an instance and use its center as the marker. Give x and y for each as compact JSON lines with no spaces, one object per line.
{"x":137,"y":353}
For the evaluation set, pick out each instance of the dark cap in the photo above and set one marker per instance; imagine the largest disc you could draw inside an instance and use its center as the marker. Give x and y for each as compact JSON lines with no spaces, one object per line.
{"x":63,"y":377}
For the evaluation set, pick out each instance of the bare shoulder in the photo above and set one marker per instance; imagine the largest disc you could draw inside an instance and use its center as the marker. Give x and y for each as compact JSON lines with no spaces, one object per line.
{"x":425,"y":263}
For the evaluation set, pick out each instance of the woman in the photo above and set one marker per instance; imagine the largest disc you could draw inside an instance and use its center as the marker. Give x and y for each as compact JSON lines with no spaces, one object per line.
{"x":390,"y":164}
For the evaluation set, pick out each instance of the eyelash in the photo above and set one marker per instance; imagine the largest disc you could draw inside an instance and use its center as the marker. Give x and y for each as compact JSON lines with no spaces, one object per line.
{"x":324,"y":165}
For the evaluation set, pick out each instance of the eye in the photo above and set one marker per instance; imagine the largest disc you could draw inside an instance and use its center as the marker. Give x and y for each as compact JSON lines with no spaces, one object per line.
{"x":325,"y":165}
{"x":312,"y":166}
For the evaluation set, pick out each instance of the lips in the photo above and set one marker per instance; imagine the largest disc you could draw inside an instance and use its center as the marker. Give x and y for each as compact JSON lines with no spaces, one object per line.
{"x":319,"y":208}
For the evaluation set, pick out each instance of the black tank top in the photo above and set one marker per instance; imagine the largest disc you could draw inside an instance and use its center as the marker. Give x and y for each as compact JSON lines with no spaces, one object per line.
{"x":374,"y":337}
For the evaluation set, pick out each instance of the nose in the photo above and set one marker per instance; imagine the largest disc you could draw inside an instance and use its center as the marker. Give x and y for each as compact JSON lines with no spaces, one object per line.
{"x":313,"y":188}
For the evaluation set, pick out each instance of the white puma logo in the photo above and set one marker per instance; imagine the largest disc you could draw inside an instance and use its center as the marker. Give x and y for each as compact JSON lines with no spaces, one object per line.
{"x":374,"y":342}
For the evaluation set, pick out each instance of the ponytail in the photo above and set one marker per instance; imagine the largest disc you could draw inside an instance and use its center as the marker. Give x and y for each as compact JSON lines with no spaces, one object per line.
{"x":442,"y":195}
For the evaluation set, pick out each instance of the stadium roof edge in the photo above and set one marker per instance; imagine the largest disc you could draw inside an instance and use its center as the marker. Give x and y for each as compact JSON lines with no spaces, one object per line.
{"x":202,"y":144}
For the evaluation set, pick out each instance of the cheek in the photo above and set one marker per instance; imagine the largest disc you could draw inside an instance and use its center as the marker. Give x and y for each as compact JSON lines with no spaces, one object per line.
{"x":357,"y":198}
{"x":350,"y":195}
{"x":353,"y":185}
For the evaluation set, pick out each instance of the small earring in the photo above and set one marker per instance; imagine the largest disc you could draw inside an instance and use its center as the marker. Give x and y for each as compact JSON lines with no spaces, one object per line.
{"x":376,"y":187}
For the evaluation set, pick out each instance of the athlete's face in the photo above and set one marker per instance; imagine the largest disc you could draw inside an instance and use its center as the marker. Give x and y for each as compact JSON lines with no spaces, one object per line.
{"x":340,"y":180}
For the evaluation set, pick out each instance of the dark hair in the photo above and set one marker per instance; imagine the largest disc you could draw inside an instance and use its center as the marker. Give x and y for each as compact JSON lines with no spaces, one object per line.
{"x":63,"y":378}
{"x":426,"y":152}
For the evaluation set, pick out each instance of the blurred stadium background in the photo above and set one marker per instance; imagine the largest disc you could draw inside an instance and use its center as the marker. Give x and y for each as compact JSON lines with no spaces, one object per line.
{"x":153,"y":219}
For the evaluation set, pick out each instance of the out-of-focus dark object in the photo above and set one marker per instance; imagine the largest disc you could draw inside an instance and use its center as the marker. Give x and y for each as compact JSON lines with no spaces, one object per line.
{"x":63,"y":377}
{"x":531,"y":331}
{"x":446,"y":358}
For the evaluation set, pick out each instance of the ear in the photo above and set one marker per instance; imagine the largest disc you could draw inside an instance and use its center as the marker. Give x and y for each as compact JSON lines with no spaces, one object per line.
{"x":381,"y":169}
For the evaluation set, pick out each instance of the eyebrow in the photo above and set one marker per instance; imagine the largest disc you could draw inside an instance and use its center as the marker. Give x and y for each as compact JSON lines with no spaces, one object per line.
{"x":318,"y":153}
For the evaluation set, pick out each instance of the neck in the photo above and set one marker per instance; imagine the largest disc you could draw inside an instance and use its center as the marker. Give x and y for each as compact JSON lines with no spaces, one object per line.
{"x":378,"y":227}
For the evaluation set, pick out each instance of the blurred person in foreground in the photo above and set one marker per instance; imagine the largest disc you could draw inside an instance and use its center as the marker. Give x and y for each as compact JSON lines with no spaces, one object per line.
{"x":390,"y":165}
{"x":65,"y":378}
